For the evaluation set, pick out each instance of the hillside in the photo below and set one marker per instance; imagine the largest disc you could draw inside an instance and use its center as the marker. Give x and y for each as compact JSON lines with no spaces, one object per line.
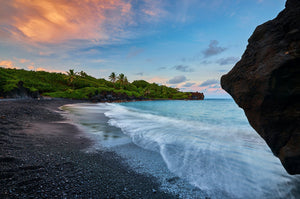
{"x":16,"y":83}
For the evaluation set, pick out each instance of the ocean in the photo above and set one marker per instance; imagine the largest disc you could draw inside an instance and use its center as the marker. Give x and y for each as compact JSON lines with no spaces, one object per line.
{"x":195,"y":149}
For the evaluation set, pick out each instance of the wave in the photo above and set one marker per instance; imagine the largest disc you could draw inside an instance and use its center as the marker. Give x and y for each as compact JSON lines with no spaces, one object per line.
{"x":224,"y":161}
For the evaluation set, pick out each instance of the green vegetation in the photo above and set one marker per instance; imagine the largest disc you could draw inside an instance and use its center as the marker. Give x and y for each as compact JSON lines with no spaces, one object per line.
{"x":79,"y":85}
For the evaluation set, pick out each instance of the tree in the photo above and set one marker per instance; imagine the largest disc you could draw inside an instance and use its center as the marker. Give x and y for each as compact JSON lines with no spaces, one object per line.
{"x":83,"y":74}
{"x":125,"y":81}
{"x":121,"y":78}
{"x":147,"y":92}
{"x":71,"y":76}
{"x":113,"y":77}
{"x":140,"y":83}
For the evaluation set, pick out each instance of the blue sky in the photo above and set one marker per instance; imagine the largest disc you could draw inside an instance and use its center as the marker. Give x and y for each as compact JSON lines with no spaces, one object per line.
{"x":188,"y":44}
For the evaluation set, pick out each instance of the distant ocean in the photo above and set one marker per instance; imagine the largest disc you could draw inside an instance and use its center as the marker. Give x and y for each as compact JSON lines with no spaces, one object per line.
{"x":196,"y":149}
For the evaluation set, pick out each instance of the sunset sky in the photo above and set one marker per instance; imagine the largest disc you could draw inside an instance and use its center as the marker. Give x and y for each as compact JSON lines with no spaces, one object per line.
{"x":186,"y":44}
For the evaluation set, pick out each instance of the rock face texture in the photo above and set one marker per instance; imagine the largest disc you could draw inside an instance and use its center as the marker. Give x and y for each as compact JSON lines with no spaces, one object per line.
{"x":266,"y":84}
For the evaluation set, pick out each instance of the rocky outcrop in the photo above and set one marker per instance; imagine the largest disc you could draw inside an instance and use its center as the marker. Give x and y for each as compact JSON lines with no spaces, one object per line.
{"x":196,"y":96}
{"x":109,"y":96}
{"x":266,"y":84}
{"x":21,"y":92}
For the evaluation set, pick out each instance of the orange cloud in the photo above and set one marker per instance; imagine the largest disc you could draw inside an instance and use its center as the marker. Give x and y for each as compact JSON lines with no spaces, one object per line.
{"x":49,"y":70}
{"x":74,"y":22}
{"x":7,"y":64}
{"x":54,"y":21}
{"x":30,"y":67}
{"x":41,"y":69}
{"x":23,"y":61}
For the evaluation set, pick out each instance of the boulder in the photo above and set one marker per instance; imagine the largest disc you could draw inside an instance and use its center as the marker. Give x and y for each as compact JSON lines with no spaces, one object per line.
{"x":266,"y":84}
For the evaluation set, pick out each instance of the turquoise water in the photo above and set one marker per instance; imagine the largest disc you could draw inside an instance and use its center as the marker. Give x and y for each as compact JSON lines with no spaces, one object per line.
{"x":209,"y":144}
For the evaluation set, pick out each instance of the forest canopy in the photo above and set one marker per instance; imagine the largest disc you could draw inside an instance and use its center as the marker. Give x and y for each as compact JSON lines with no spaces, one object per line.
{"x":80,"y":85}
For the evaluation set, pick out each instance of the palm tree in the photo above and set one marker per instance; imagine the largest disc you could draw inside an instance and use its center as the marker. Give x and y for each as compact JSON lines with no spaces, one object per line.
{"x":125,"y":80}
{"x":113,"y":77}
{"x":83,"y":74}
{"x":121,"y":78}
{"x":71,"y":76}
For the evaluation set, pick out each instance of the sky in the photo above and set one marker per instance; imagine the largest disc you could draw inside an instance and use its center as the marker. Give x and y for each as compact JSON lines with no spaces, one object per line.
{"x":187,"y":44}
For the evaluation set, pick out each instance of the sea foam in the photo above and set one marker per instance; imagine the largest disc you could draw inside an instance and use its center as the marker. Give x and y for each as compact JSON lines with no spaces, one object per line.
{"x":225,"y":159}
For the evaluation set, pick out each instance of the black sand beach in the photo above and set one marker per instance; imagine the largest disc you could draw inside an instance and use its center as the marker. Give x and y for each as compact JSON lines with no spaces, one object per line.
{"x":43,"y":157}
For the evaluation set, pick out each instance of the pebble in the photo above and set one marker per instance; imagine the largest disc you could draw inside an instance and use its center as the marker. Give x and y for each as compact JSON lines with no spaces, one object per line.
{"x":89,"y":176}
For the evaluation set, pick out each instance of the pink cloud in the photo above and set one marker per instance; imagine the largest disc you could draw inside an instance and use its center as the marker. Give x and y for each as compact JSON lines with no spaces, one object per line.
{"x":45,"y":53}
{"x":154,"y":10}
{"x":57,"y":21}
{"x":150,"y":12}
{"x":158,"y":80}
{"x":209,"y":89}
{"x":60,"y":20}
{"x":212,"y":89}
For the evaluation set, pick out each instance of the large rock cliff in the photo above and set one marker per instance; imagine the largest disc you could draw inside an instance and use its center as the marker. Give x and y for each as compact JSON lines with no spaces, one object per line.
{"x":266,"y":84}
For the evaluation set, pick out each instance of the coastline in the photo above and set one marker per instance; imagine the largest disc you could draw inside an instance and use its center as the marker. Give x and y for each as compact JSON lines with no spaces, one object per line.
{"x":42,"y":156}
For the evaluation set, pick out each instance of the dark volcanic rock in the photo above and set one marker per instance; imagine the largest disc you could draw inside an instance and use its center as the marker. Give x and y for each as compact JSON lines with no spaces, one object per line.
{"x":109,"y":96}
{"x":21,"y":92}
{"x":266,"y":84}
{"x":196,"y":96}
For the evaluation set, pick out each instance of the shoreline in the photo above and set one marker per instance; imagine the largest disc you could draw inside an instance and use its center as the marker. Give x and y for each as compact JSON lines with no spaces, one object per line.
{"x":42,"y":156}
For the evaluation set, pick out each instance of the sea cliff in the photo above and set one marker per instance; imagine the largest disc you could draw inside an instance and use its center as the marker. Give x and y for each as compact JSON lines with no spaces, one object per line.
{"x":266,"y":82}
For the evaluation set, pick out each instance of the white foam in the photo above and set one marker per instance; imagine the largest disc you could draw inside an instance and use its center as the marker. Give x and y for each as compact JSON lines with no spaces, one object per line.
{"x":231,"y":162}
{"x":223,"y":160}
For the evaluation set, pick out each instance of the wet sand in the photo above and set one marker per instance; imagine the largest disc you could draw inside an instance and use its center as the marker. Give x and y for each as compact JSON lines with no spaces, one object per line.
{"x":41,"y":156}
